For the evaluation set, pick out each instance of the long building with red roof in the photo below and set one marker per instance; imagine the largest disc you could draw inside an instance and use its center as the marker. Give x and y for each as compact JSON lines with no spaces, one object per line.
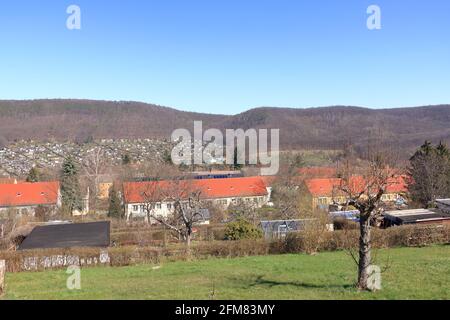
{"x":324,"y":192}
{"x":221,"y":192}
{"x":25,"y":197}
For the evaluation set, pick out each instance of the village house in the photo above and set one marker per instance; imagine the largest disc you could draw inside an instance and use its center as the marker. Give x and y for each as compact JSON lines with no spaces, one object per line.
{"x":321,"y":193}
{"x":105,"y":182}
{"x":26,"y":197}
{"x":219,"y":192}
{"x":103,"y":189}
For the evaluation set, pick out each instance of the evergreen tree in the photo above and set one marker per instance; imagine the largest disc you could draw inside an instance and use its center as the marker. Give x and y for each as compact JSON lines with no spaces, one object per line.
{"x":236,"y":164}
{"x":115,"y":206}
{"x":442,"y":150}
{"x":33,"y":175}
{"x":126,"y":159}
{"x":429,"y":174}
{"x":167,"y":157}
{"x":426,"y":148}
{"x":70,"y":187}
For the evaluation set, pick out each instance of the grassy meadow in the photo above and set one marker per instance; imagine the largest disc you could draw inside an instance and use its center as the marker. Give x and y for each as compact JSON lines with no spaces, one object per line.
{"x":413,"y":273}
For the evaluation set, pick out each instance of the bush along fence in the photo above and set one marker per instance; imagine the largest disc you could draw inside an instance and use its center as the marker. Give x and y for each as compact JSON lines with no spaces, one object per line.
{"x":405,"y":236}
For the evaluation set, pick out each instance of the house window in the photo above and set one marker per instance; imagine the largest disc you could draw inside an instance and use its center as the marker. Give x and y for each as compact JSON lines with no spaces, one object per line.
{"x":158,"y":206}
{"x":322,"y":201}
{"x":142,"y":208}
{"x":169,"y":206}
{"x":222,"y":202}
{"x":135,"y":208}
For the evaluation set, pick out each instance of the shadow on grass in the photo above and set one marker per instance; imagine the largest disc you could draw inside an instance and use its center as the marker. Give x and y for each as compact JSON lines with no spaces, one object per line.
{"x":260,"y":281}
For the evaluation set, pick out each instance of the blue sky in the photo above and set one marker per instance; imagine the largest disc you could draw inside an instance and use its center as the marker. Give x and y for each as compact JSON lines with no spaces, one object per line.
{"x":226,"y":56}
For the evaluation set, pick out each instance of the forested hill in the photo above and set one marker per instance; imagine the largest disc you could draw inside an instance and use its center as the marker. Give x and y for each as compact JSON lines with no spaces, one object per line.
{"x":312,"y":128}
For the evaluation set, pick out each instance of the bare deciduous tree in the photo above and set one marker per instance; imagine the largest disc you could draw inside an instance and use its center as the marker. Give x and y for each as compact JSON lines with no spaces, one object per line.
{"x":285,"y":193}
{"x":94,"y":165}
{"x":244,"y":210}
{"x":365,"y":192}
{"x":186,"y":202}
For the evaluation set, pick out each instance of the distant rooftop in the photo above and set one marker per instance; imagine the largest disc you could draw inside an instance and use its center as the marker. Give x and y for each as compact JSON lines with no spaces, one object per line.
{"x":138,"y":192}
{"x":29,"y":194}
{"x":445,"y":202}
{"x":332,"y":186}
{"x":416,"y":215}
{"x":216,"y":172}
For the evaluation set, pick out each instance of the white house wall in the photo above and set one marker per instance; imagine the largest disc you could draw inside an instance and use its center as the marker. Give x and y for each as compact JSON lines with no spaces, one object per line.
{"x":137,"y":210}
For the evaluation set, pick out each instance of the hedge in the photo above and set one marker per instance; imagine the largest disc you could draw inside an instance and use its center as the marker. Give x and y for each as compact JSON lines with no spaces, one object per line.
{"x":405,"y":236}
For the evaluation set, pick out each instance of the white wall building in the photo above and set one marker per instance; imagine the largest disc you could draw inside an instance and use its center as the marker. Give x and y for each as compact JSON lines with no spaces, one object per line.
{"x":159,"y":196}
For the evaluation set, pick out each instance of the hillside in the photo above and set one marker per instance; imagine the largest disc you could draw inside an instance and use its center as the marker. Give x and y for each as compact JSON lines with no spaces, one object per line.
{"x":80,"y":119}
{"x":313,"y":128}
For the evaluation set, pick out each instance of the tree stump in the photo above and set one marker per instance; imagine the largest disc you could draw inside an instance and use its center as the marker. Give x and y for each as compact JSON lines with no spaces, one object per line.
{"x":2,"y":277}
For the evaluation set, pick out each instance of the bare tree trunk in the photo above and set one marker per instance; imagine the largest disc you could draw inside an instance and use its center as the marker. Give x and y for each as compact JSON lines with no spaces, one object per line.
{"x":364,"y":253}
{"x":165,"y":237}
{"x":188,"y":245}
{"x":2,"y":276}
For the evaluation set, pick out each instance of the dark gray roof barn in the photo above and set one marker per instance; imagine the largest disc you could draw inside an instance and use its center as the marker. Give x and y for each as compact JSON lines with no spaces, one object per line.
{"x":69,"y":235}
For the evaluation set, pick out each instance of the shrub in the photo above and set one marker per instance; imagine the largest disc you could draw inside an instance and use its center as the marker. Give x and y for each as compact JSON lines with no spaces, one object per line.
{"x":404,"y":236}
{"x":218,"y":234}
{"x":232,"y":249}
{"x":344,"y":224}
{"x":242,"y":229}
{"x":126,"y":256}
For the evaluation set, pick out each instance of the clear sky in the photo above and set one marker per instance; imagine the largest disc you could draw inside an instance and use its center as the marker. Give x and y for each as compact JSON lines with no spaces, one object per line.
{"x":226,"y":56}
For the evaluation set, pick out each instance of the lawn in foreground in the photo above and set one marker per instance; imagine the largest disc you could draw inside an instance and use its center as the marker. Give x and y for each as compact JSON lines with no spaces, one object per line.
{"x":415,"y":273}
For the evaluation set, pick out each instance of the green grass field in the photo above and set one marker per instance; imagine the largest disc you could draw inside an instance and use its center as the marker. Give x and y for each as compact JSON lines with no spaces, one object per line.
{"x":414,"y":273}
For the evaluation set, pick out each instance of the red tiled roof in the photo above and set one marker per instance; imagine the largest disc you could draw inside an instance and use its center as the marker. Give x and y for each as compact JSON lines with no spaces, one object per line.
{"x":138,"y":192}
{"x":330,"y":187}
{"x":29,"y":194}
